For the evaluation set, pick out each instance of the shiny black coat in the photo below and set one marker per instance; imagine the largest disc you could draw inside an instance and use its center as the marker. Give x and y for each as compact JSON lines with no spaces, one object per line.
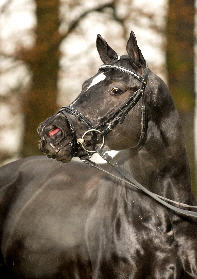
{"x":57,"y":223}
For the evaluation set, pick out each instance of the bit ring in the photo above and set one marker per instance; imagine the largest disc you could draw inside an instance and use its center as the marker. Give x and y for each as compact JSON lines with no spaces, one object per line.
{"x":81,"y":140}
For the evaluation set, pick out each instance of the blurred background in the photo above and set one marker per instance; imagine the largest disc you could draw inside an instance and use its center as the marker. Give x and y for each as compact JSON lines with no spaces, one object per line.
{"x":48,"y":49}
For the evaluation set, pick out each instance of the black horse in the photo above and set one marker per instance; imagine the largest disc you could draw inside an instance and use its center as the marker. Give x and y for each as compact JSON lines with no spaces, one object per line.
{"x":77,"y":221}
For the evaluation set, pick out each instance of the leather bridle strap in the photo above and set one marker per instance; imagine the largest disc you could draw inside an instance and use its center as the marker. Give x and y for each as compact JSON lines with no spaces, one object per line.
{"x":73,"y":134}
{"x":118,"y":116}
{"x":77,"y":114}
{"x":70,"y":111}
{"x":136,"y":184}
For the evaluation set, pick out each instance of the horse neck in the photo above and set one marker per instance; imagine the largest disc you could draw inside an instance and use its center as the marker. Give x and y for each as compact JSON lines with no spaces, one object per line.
{"x":162,"y":164}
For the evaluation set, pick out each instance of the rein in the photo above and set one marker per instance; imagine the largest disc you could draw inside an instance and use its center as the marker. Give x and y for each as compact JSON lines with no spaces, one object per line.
{"x":106,"y":126}
{"x":129,"y":180}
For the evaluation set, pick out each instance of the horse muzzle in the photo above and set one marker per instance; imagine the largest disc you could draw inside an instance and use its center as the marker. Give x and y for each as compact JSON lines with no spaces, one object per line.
{"x":55,"y":138}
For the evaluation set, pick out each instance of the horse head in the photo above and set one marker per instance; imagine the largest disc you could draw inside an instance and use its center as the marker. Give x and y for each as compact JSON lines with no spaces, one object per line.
{"x":110,"y":111}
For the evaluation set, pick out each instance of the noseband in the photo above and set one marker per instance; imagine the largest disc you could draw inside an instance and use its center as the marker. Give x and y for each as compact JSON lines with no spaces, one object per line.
{"x":115,"y":118}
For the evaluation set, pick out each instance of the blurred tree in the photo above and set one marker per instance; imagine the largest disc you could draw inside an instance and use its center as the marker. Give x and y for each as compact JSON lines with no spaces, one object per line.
{"x":180,"y":67}
{"x":43,"y":60}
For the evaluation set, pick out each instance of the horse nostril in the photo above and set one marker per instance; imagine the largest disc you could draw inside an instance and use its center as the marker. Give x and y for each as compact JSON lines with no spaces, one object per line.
{"x":54,"y":132}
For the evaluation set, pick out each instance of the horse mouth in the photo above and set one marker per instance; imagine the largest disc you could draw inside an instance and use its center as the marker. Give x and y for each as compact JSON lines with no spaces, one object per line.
{"x":61,"y":152}
{"x":55,"y":139}
{"x":54,"y":131}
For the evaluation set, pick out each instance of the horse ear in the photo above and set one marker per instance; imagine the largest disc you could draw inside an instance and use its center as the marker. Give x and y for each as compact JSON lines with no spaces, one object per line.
{"x":107,"y":54}
{"x":134,"y":52}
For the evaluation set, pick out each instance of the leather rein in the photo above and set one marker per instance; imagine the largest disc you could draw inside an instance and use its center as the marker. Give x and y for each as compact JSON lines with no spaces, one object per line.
{"x":106,"y":126}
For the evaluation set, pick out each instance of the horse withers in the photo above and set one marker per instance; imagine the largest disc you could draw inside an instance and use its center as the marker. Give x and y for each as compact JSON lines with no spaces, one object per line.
{"x":83,"y":221}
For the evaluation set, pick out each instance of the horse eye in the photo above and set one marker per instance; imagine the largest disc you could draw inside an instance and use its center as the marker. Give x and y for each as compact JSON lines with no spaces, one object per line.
{"x":116,"y":91}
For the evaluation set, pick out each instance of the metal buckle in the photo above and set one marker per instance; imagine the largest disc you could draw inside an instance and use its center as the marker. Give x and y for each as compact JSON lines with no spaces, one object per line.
{"x":81,"y":140}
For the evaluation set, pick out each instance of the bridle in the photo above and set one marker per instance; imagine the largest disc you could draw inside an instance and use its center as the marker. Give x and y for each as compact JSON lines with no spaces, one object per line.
{"x":108,"y":125}
{"x":114,"y":119}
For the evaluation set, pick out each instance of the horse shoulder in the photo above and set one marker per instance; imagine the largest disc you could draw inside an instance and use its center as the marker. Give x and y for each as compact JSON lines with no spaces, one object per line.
{"x":47,"y":219}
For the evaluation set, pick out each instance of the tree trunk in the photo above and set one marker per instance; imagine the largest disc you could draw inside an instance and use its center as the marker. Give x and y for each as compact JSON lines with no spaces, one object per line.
{"x":180,"y":66}
{"x":43,"y":59}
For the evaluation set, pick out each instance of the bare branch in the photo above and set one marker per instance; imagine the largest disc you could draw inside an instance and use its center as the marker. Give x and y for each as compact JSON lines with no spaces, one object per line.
{"x":77,"y":21}
{"x":5,"y":6}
